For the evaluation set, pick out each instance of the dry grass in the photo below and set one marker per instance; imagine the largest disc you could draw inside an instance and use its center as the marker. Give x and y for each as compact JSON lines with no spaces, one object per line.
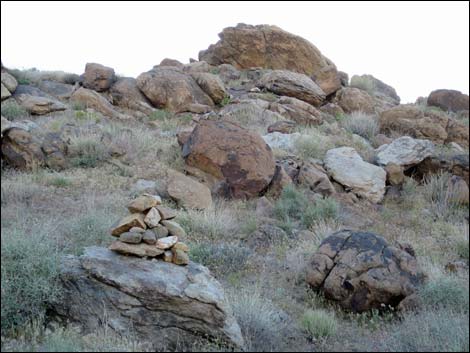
{"x":362,"y":124}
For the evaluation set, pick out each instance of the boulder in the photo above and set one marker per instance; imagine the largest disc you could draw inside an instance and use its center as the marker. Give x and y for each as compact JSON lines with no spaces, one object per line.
{"x":55,"y":150}
{"x":348,"y":168}
{"x":188,"y":192}
{"x":283,"y":127}
{"x":361,"y":271}
{"x":39,"y":105}
{"x":98,"y":77}
{"x":314,"y":177}
{"x":9,"y":82}
{"x":171,"y":62}
{"x":165,"y":212}
{"x":130,"y":237}
{"x":270,"y":47}
{"x":280,"y":180}
{"x":352,"y":99}
{"x":405,"y":151}
{"x":143,"y":203}
{"x":228,"y":73}
{"x":395,"y":175}
{"x":91,"y":99}
{"x":281,"y":141}
{"x":5,"y":92}
{"x":232,"y":154}
{"x":448,"y":99}
{"x":179,"y":257}
{"x":296,"y":110}
{"x":21,"y":149}
{"x":413,"y":121}
{"x":292,"y":84}
{"x":212,"y":85}
{"x":57,"y":89}
{"x":125,"y":224}
{"x":171,"y":89}
{"x":457,"y":164}
{"x":157,"y":302}
{"x":197,"y":66}
{"x":126,"y":94}
{"x":378,"y":88}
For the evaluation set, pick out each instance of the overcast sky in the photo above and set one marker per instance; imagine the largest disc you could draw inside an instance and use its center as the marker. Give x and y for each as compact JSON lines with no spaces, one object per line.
{"x":415,"y":47}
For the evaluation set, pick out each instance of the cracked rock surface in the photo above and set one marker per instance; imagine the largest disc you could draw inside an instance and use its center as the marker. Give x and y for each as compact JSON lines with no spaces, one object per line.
{"x":158,"y":302}
{"x":361,"y":271}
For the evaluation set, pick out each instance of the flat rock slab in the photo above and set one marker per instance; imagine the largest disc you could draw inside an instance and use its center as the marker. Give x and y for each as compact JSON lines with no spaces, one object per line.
{"x":158,"y":302}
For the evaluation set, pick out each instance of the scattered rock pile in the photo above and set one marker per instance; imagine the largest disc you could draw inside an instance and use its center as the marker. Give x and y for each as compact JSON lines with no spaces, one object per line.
{"x":150,"y":232}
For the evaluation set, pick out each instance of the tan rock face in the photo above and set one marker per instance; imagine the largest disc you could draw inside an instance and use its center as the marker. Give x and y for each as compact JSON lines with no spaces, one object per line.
{"x":141,"y":250}
{"x":395,"y":175}
{"x":169,"y":88}
{"x":5,"y":92}
{"x":457,"y":132}
{"x":180,"y":257}
{"x":292,"y":84}
{"x":171,"y":62}
{"x":166,"y":243}
{"x":297,"y":110}
{"x":9,"y":82}
{"x":448,"y":99}
{"x":125,"y":224}
{"x":230,"y":153}
{"x":98,"y":77}
{"x":212,"y":85}
{"x":39,"y":105}
{"x":316,"y":179}
{"x":412,"y":121}
{"x":126,"y":95}
{"x":246,"y":46}
{"x":188,"y":192}
{"x":22,"y":150}
{"x":143,"y":203}
{"x":93,"y":100}
{"x":352,"y":99}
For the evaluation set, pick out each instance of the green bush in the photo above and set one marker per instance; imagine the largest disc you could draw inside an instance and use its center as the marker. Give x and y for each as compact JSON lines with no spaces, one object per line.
{"x":222,"y":259}
{"x":361,"y":124}
{"x":159,"y":115}
{"x":12,"y":110}
{"x":446,"y":292}
{"x":291,"y":204}
{"x":30,"y":265}
{"x":322,"y":209}
{"x":225,"y":101}
{"x":318,"y":323}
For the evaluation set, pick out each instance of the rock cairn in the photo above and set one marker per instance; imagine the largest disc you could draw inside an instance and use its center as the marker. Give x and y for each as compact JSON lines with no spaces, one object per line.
{"x":150,"y":232}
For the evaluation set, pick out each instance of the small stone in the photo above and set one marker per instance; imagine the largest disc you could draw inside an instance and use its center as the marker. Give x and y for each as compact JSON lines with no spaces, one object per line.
{"x":160,"y":231}
{"x":165,"y":212}
{"x":152,"y":219}
{"x":128,"y":222}
{"x":167,"y":243}
{"x":141,"y":250}
{"x":131,"y":237}
{"x":180,"y":257}
{"x":149,"y":237}
{"x":174,"y":228}
{"x":136,"y":230}
{"x":168,"y":256}
{"x":143,"y":203}
{"x":395,"y":175}
{"x":142,"y":185}
{"x":180,"y":246}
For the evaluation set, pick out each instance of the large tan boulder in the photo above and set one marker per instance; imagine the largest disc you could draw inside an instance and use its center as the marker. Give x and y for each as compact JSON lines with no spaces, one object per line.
{"x":314,"y":177}
{"x":171,"y":89}
{"x":188,"y":192}
{"x":9,"y":82}
{"x":292,"y":84}
{"x":21,"y":149}
{"x":127,"y":95}
{"x":361,"y":271}
{"x":352,"y":99}
{"x":98,"y":77}
{"x":448,"y":99}
{"x":411,"y":120}
{"x":212,"y":85}
{"x":265,"y":46}
{"x":232,"y":154}
{"x":297,"y":110}
{"x":91,"y":99}
{"x":39,"y":105}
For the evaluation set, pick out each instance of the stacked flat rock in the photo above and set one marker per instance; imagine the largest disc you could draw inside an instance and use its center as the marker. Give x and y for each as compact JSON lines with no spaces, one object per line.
{"x":150,"y":232}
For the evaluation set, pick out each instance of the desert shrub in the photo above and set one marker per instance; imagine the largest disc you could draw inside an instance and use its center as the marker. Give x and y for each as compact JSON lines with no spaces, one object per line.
{"x":322,"y":209}
{"x":225,"y":101}
{"x":429,"y":331}
{"x":312,"y":145}
{"x":159,"y":115}
{"x":263,"y":325}
{"x":34,"y":76}
{"x":30,"y":264}
{"x":59,"y":181}
{"x":291,"y":204}
{"x":362,"y":124}
{"x":318,"y":323}
{"x":222,"y":259}
{"x":446,"y":292}
{"x":363,"y":82}
{"x":87,"y":150}
{"x":12,"y":110}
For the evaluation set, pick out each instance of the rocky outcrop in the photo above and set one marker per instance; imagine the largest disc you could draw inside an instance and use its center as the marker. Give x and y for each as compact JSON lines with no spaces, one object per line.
{"x":171,"y":89}
{"x":352,"y":99}
{"x":457,"y":164}
{"x":296,"y":110}
{"x":91,"y":99}
{"x":21,"y":149}
{"x":159,"y":303}
{"x":57,"y":89}
{"x":405,"y":151}
{"x":361,"y":271}
{"x":377,"y":88}
{"x":126,"y":94}
{"x":364,"y":179}
{"x":292,"y":84}
{"x":98,"y":77}
{"x":246,"y":46}
{"x":212,"y":85}
{"x":314,"y":177}
{"x":188,"y":192}
{"x":232,"y":154}
{"x":171,"y":62}
{"x":281,"y":141}
{"x":448,"y":99}
{"x":9,"y":84}
{"x":37,"y":105}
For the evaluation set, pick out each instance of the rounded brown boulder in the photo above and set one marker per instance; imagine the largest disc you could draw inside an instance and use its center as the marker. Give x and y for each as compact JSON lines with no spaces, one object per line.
{"x":361,"y":271}
{"x":448,"y":99}
{"x":232,"y":154}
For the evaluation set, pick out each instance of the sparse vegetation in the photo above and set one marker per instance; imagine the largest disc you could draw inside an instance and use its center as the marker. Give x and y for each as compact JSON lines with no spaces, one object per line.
{"x":12,"y":110}
{"x":362,"y":124}
{"x":363,"y":82}
{"x":318,"y":323}
{"x":322,"y":209}
{"x":87,"y":150}
{"x":313,"y":145}
{"x":446,"y":293}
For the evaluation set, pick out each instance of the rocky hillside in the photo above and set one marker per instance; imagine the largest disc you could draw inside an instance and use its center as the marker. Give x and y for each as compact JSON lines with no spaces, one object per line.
{"x":273,"y":204}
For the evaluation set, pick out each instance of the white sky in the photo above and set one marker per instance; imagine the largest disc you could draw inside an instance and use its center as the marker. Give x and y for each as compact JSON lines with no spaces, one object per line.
{"x":415,"y":47}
